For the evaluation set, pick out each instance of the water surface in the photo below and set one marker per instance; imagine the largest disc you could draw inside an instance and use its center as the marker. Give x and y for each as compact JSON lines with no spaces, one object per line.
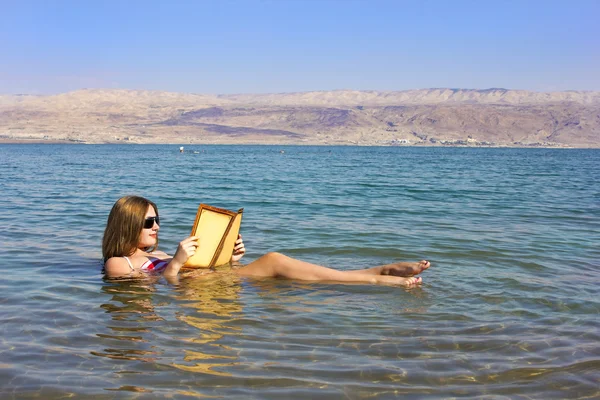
{"x":509,"y":309}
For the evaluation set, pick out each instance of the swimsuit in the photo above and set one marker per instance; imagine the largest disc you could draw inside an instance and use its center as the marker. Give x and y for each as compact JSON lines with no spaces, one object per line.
{"x":151,"y":266}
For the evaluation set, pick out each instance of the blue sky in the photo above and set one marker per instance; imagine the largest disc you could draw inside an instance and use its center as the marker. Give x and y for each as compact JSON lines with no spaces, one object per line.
{"x":290,"y":46}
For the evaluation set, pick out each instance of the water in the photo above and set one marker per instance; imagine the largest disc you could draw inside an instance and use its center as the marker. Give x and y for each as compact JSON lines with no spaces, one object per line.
{"x":509,"y":309}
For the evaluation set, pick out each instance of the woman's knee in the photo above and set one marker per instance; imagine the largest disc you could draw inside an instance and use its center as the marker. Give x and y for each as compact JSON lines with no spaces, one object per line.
{"x":273,"y":256}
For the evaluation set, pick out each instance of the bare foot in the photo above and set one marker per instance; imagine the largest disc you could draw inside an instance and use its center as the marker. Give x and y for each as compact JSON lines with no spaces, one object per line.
{"x":399,"y":281}
{"x":405,"y":268}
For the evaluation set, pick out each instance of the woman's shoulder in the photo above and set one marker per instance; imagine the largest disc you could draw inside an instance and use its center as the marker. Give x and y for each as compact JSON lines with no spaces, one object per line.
{"x":117,"y":266}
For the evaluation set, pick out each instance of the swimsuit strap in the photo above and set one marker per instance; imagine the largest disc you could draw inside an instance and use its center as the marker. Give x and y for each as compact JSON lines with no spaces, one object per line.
{"x":129,"y":262}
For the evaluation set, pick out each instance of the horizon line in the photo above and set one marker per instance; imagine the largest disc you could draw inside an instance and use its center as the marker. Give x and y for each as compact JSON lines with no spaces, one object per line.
{"x":491,"y":89}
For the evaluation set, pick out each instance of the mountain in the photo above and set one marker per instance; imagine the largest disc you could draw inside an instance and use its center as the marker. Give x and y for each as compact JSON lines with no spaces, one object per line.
{"x":434,"y":117}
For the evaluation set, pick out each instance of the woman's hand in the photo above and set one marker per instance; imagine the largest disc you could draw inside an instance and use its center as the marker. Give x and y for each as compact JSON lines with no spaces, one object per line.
{"x":238,"y":250}
{"x":186,"y":249}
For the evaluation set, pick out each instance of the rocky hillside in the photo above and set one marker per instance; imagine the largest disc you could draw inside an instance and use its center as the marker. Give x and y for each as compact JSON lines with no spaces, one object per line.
{"x":492,"y":117}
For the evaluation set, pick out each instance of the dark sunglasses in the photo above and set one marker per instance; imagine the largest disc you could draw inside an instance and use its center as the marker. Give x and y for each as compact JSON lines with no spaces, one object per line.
{"x":149,"y":222}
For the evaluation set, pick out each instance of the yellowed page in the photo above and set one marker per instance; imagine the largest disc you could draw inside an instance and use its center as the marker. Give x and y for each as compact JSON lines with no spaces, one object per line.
{"x":229,"y":244}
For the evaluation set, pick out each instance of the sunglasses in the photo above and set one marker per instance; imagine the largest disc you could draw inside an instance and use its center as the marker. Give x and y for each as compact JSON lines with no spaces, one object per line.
{"x":149,"y":222}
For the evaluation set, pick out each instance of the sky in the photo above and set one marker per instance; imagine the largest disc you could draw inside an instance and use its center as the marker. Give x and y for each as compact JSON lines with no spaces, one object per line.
{"x":277,"y":46}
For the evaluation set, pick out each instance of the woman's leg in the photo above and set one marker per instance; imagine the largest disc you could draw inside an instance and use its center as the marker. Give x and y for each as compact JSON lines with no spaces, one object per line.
{"x":278,"y":265}
{"x":402,"y":268}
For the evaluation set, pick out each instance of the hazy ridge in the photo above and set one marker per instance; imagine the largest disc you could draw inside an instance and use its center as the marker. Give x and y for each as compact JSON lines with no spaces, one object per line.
{"x":491,"y":117}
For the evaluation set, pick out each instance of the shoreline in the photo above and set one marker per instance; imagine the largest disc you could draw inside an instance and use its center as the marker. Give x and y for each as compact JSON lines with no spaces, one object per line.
{"x":4,"y":141}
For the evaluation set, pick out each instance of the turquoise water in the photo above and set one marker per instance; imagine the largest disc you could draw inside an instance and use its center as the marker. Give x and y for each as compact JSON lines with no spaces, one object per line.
{"x":509,"y":309}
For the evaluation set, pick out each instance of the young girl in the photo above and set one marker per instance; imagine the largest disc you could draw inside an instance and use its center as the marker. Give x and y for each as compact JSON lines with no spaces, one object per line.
{"x":130,"y":243}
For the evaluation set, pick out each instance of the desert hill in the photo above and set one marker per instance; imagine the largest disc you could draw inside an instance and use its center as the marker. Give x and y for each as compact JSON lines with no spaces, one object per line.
{"x":491,"y":117}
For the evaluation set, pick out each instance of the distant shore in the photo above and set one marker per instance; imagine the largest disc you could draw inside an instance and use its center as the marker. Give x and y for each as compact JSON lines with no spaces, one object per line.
{"x":37,"y":141}
{"x":72,"y":142}
{"x":427,"y":117}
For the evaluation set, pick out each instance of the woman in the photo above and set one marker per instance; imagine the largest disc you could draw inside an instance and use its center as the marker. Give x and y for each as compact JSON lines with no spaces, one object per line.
{"x":130,"y":243}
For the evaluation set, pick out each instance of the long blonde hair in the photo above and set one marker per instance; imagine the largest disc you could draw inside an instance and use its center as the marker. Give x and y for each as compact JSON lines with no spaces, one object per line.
{"x":124,"y":225}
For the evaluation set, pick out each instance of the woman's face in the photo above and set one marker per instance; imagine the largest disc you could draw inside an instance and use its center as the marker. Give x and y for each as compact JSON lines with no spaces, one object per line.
{"x":149,"y":236}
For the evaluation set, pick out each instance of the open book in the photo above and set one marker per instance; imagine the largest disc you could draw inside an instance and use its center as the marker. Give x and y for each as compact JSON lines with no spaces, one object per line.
{"x":217,"y":230}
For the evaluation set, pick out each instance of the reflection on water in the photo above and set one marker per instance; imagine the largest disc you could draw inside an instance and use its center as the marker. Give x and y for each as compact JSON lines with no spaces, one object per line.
{"x":130,"y":308}
{"x":207,"y":305}
{"x":211,"y":305}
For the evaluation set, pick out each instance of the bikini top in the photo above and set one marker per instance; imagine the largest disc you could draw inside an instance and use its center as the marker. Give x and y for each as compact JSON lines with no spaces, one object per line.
{"x":151,"y":266}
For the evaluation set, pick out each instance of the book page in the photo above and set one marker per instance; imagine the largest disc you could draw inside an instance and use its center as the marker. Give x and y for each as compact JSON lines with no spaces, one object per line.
{"x":229,"y":243}
{"x":210,"y":229}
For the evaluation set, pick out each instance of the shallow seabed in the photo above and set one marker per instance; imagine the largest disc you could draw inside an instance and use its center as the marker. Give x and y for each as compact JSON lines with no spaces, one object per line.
{"x":510,"y":308}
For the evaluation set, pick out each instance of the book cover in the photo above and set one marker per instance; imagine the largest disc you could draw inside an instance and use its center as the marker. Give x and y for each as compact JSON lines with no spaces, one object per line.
{"x":217,"y":230}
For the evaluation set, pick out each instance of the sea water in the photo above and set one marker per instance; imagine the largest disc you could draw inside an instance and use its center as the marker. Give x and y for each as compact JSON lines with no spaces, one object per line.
{"x":509,"y":309}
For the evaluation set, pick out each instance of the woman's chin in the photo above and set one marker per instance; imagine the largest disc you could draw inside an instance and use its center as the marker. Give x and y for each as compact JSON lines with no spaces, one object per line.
{"x":147,"y":243}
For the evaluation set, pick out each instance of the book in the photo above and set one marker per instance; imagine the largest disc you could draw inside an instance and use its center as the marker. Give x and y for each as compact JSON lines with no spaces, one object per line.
{"x":217,"y":230}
